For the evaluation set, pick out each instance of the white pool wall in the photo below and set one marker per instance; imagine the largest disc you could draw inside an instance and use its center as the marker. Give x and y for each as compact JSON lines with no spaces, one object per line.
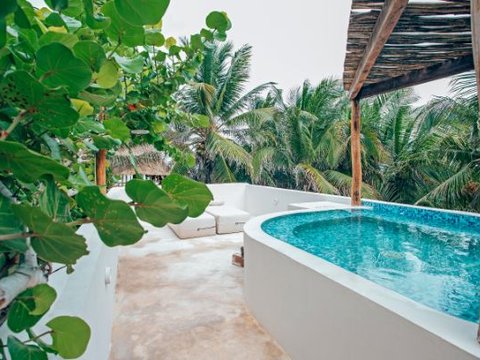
{"x":317,"y":310}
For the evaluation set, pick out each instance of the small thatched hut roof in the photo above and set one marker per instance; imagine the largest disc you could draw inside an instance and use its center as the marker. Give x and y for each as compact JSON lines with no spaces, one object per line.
{"x":147,"y":159}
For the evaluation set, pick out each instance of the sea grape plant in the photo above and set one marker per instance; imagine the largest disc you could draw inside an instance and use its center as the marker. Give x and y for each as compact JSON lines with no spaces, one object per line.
{"x":76,"y":78}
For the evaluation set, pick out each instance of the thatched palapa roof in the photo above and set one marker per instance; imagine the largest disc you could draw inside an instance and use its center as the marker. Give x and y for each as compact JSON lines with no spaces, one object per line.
{"x":148,"y":160}
{"x":398,"y":43}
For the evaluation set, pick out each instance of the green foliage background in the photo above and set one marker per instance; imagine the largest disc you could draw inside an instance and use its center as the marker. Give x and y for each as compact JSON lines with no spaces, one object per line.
{"x":78,"y":77}
{"x":425,"y":155}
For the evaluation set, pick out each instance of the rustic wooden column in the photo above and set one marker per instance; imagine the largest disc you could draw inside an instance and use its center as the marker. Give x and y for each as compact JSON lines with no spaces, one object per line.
{"x":101,"y":169}
{"x":475,"y":18}
{"x":356,"y":151}
{"x":101,"y":162}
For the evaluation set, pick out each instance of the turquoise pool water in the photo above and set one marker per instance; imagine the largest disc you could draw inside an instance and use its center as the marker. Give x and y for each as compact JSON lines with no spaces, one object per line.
{"x":432,"y":259}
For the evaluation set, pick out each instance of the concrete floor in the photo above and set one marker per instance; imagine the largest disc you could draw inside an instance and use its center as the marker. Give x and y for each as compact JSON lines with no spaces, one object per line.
{"x":182,"y":299}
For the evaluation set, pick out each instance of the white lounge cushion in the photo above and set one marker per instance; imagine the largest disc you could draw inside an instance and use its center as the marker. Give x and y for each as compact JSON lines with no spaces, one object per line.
{"x":204,"y":225}
{"x":229,"y":219}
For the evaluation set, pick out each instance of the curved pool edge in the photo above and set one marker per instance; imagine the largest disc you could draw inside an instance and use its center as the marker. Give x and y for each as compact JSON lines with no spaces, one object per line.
{"x":273,"y":269}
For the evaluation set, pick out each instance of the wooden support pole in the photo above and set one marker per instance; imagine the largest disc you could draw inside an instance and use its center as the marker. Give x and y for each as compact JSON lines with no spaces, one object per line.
{"x":101,"y":170}
{"x":356,"y":151}
{"x":101,"y":162}
{"x":475,"y":18}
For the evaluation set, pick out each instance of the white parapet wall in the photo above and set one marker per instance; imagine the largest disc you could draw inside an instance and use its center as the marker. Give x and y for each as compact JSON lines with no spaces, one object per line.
{"x":260,"y":200}
{"x":89,"y":293}
{"x":317,"y":310}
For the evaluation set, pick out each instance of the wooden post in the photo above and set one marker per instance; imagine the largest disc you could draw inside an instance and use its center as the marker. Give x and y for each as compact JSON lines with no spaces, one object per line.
{"x":356,"y":154}
{"x":101,"y":170}
{"x":475,"y":18}
{"x":101,"y":162}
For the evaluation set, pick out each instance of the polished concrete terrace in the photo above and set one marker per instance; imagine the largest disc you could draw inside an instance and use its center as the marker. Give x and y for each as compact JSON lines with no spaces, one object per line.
{"x":182,"y":299}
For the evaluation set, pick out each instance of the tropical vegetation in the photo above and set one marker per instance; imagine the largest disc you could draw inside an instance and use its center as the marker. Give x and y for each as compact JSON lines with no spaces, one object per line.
{"x":78,"y":80}
{"x":221,"y":115}
{"x":425,"y":155}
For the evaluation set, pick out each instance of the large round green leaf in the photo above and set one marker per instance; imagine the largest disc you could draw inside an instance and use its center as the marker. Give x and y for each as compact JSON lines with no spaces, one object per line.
{"x":219,"y":21}
{"x":195,"y":195}
{"x":27,"y":165}
{"x":82,"y":107}
{"x":54,"y":202}
{"x":22,"y":90}
{"x":153,"y":205}
{"x":120,"y":30}
{"x":142,"y":12}
{"x":105,"y":142}
{"x":19,"y":351}
{"x":29,"y":306}
{"x":57,"y":66}
{"x":130,"y":65}
{"x":91,"y":53}
{"x":114,"y":220}
{"x":19,"y":316}
{"x":49,"y":108}
{"x":154,"y":37}
{"x":44,"y":296}
{"x":70,"y":336}
{"x":117,"y":129}
{"x":108,"y":75}
{"x":51,"y":241}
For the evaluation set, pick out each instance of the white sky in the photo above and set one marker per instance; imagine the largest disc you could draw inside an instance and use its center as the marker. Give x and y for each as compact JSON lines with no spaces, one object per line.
{"x":292,"y":40}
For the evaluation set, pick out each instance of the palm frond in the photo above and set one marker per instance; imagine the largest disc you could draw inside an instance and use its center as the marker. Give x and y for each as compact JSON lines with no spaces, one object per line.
{"x":218,"y":145}
{"x":343,"y":182}
{"x":450,"y":190}
{"x":222,"y":172}
{"x":315,"y":179}
{"x":232,"y":83}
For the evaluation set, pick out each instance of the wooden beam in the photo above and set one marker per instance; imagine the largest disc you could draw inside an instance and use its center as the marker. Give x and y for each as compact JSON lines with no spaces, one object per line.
{"x":475,"y":18}
{"x":356,"y":154}
{"x":417,"y":77}
{"x":387,"y":20}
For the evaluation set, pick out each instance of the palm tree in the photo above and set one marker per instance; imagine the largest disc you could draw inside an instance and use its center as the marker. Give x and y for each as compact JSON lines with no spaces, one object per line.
{"x":456,"y":182}
{"x":219,"y":113}
{"x":305,"y":145}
